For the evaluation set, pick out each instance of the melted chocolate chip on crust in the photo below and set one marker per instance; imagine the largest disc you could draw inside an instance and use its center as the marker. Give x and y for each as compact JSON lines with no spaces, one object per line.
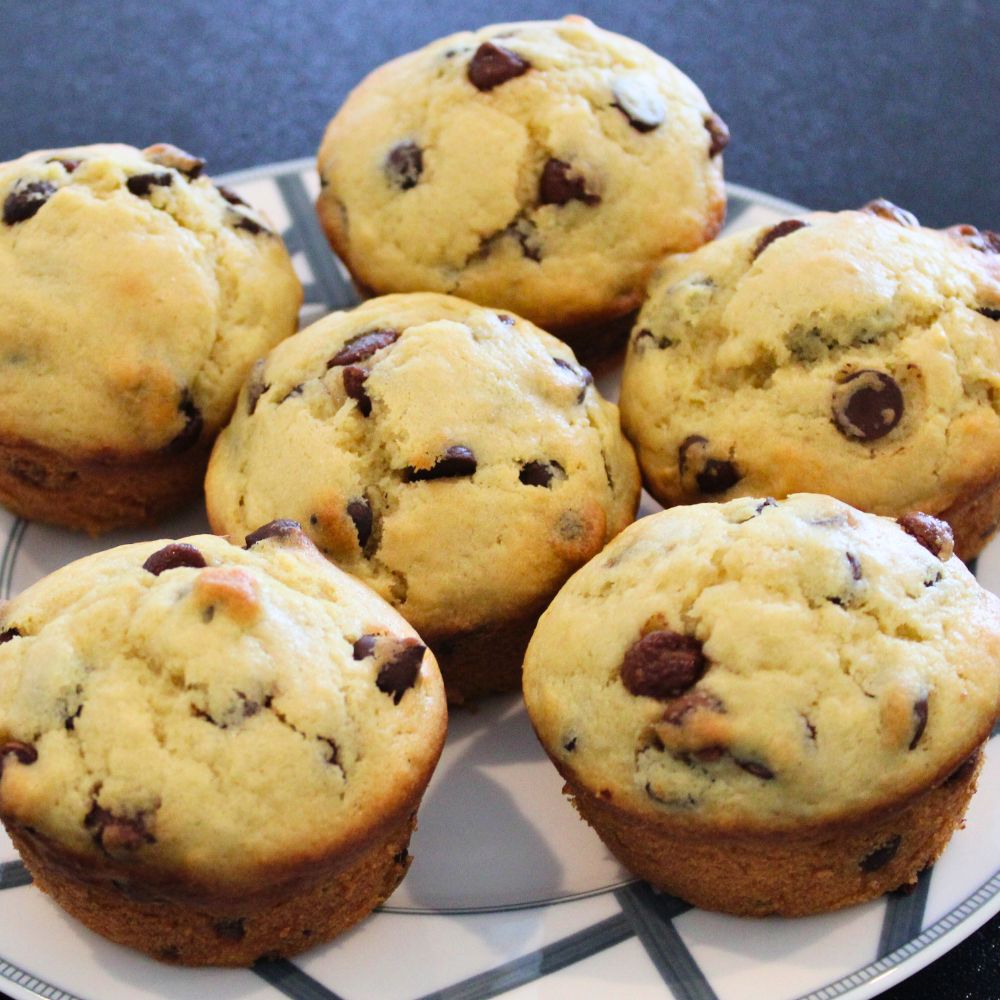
{"x":456,"y":461}
{"x":867,"y":405}
{"x":283,"y":527}
{"x":194,"y":423}
{"x":9,"y":633}
{"x":354,"y":386}
{"x":989,"y":312}
{"x":174,"y":556}
{"x":362,"y":347}
{"x":643,"y":107}
{"x":141,"y":185}
{"x":404,"y":165}
{"x":25,"y":200}
{"x":541,"y":473}
{"x":24,"y":752}
{"x":360,"y":512}
{"x":885,"y":209}
{"x":492,"y":65}
{"x":881,"y":856}
{"x":663,"y":664}
{"x":399,"y":662}
{"x":718,"y":134}
{"x":933,"y":534}
{"x":784,"y":228}
{"x":559,"y":184}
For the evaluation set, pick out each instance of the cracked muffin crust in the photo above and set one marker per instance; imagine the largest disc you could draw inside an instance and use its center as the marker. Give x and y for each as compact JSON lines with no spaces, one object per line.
{"x":855,"y":354}
{"x":134,"y":297}
{"x":542,"y":167}
{"x":455,"y":458}
{"x":770,"y":707}
{"x":167,"y":708}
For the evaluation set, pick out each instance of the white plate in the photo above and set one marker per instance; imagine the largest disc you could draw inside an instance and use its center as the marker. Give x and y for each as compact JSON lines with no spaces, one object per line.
{"x":509,"y":890}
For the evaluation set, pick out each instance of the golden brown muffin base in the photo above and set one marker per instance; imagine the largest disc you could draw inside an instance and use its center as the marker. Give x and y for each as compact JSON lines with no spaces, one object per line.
{"x":788,"y":873}
{"x":265,"y":922}
{"x":974,"y":518}
{"x":484,"y":661}
{"x":97,"y":495}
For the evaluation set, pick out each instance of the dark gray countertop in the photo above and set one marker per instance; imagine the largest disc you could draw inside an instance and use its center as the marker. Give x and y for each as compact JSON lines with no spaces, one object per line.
{"x":829,"y":103}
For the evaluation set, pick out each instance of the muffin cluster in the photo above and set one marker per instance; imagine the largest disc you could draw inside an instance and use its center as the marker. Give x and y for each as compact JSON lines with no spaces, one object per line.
{"x":771,"y":698}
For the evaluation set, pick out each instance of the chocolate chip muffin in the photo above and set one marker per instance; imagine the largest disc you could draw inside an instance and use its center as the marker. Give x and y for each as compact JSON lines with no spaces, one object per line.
{"x":457,"y":459}
{"x":134,"y":297}
{"x":770,"y":707}
{"x":855,"y":354}
{"x":212,"y":753}
{"x":541,"y":167}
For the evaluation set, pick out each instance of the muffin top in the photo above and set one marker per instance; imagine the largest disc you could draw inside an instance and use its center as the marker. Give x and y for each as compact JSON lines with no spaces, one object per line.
{"x":544,"y":167}
{"x":759,"y":664}
{"x":457,"y":459}
{"x":178,"y":705}
{"x":134,"y":296}
{"x":855,"y":354}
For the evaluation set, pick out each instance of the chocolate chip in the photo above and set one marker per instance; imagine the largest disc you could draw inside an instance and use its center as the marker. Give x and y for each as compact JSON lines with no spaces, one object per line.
{"x":25,"y":200}
{"x":230,"y":195}
{"x":256,"y":386}
{"x":919,"y":721}
{"x":25,"y":753}
{"x":885,"y":209}
{"x":540,"y":473}
{"x":712,"y":475}
{"x":399,"y":674}
{"x":881,"y":856}
{"x":362,"y":347}
{"x":984,"y":240}
{"x":456,"y":461}
{"x":68,"y":165}
{"x":663,"y":665}
{"x":174,"y":556}
{"x":852,"y":561}
{"x":194,"y":423}
{"x":10,"y":633}
{"x":521,"y":229}
{"x":230,"y":930}
{"x":559,"y":185}
{"x":251,"y":226}
{"x":867,"y":405}
{"x":765,"y":503}
{"x":989,"y":312}
{"x":775,"y":233}
{"x":404,"y":165}
{"x":117,"y":832}
{"x":680,"y":708}
{"x":933,"y":534}
{"x":360,"y":512}
{"x":141,"y":185}
{"x":332,"y":752}
{"x":570,"y":745}
{"x":69,"y":724}
{"x":165,"y":155}
{"x":964,"y":769}
{"x":365,"y":647}
{"x":639,"y":103}
{"x":641,"y":336}
{"x":281,"y":528}
{"x":506,"y":319}
{"x":755,"y":768}
{"x":354,"y":386}
{"x":718,"y":134}
{"x":401,"y":857}
{"x":492,"y":65}
{"x":583,"y":374}
{"x":296,"y":390}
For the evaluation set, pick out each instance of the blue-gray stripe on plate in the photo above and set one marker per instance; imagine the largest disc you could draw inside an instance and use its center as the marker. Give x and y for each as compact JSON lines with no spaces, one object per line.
{"x":13,"y":874}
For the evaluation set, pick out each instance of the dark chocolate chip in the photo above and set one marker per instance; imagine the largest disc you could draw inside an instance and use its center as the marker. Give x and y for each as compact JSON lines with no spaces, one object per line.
{"x":984,"y":240}
{"x":281,"y":528}
{"x":165,"y":155}
{"x":492,"y":65}
{"x":583,"y":374}
{"x":852,"y":561}
{"x":559,"y":185}
{"x":10,"y":633}
{"x":690,"y":442}
{"x":401,"y":857}
{"x":521,"y":229}
{"x":24,"y":752}
{"x":230,"y":195}
{"x":174,"y":556}
{"x":365,"y":647}
{"x":397,"y":675}
{"x":362,"y":347}
{"x":249,"y":225}
{"x":141,"y":185}
{"x":540,"y":473}
{"x":256,"y":386}
{"x":643,"y":107}
{"x":755,"y":768}
{"x":663,"y":664}
{"x":718,"y":134}
{"x":332,"y":752}
{"x":354,"y":386}
{"x":784,"y":228}
{"x":642,"y":337}
{"x":68,"y":165}
{"x":881,"y":856}
{"x":919,"y":721}
{"x":764,"y":504}
{"x":230,"y":930}
{"x":117,"y":832}
{"x":867,"y":405}
{"x":989,"y":312}
{"x":506,"y":319}
{"x":70,"y":723}
{"x":456,"y":461}
{"x":965,"y":768}
{"x":570,"y":745}
{"x":717,"y":476}
{"x":933,"y":534}
{"x":193,"y":425}
{"x":25,"y":200}
{"x":360,"y":512}
{"x":810,"y":728}
{"x":680,"y":708}
{"x":885,"y":209}
{"x":404,"y":165}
